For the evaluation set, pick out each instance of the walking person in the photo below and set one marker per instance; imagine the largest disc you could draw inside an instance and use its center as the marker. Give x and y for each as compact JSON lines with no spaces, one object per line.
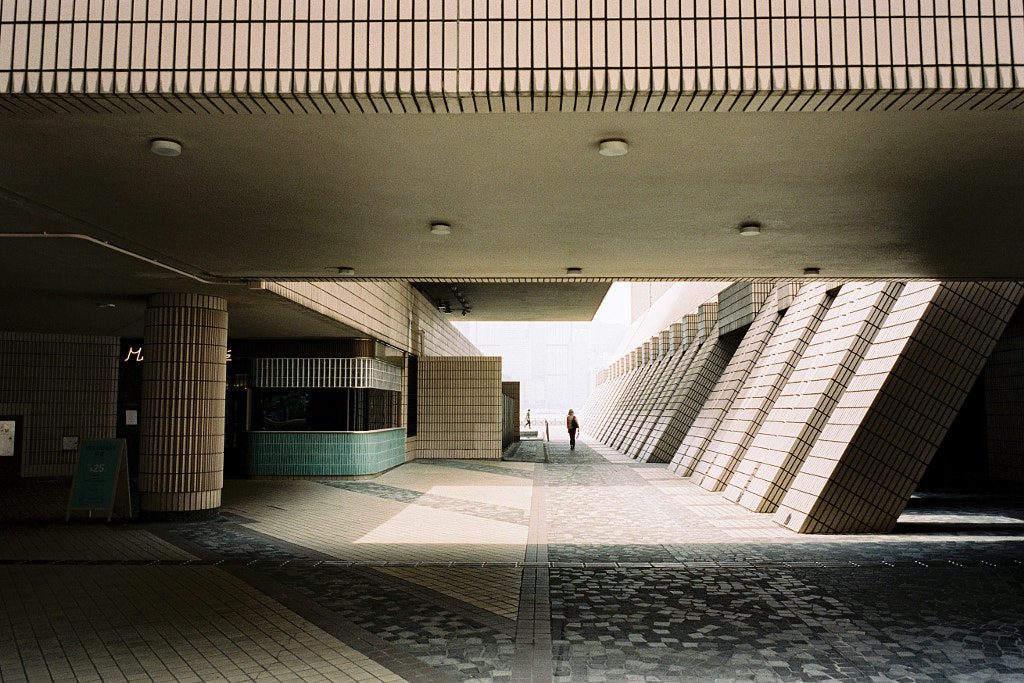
{"x":573,"y":425}
{"x":527,"y":417}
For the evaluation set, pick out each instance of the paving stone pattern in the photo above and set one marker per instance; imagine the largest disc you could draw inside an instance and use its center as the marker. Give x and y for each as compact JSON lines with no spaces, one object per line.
{"x":476,"y":509}
{"x":629,"y":574}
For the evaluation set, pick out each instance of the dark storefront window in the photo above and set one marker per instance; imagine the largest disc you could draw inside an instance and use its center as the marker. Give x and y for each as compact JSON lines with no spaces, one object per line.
{"x":324,"y":410}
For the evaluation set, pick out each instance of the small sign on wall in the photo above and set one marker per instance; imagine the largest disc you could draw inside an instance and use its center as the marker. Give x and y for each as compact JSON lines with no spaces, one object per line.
{"x":131,"y":418}
{"x":69,"y":443}
{"x":6,"y":438}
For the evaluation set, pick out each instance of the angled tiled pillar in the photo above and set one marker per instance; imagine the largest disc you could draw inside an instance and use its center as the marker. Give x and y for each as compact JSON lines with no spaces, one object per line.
{"x":810,"y":396}
{"x":695,"y":443}
{"x":642,"y":413}
{"x":674,"y":370}
{"x":703,"y":372}
{"x":763,"y":386}
{"x":590,"y":413}
{"x":600,"y":428}
{"x":684,"y":340}
{"x":181,"y":420}
{"x":635,"y":406}
{"x":670,"y":400}
{"x":898,"y":407}
{"x":618,"y":406}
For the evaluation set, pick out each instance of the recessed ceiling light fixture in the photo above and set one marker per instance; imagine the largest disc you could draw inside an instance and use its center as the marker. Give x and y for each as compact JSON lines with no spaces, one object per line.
{"x":750,"y":228}
{"x":165,"y":148}
{"x":612,"y":147}
{"x":812,"y":271}
{"x":574,"y":271}
{"x":440,"y":229}
{"x":346,"y":270}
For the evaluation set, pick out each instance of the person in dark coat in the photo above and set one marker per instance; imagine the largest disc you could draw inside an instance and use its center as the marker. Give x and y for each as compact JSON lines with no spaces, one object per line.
{"x":573,"y":425}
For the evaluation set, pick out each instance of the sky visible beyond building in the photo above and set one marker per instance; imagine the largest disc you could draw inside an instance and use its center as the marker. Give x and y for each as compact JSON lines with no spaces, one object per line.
{"x":555,"y":362}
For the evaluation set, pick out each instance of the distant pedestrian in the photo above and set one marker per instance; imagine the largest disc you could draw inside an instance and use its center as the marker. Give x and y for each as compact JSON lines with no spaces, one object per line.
{"x":527,"y":417}
{"x":573,"y":425}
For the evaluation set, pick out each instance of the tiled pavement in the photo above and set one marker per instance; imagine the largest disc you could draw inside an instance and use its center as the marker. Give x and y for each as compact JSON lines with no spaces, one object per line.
{"x":553,"y":565}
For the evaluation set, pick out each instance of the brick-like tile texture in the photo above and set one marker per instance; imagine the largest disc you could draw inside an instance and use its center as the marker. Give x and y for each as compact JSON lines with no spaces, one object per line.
{"x":890,"y":421}
{"x":691,"y":451}
{"x":766,"y":381}
{"x":810,"y":396}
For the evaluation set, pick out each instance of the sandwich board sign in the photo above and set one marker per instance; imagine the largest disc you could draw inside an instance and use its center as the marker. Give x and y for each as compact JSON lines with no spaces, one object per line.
{"x":101,"y":478}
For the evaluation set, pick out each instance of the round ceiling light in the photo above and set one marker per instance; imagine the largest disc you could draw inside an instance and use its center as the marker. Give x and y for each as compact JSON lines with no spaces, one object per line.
{"x":345,"y":270}
{"x":165,"y":148}
{"x":612,"y":147}
{"x":440,"y":229}
{"x":750,"y":228}
{"x":574,"y":271}
{"x":812,"y":271}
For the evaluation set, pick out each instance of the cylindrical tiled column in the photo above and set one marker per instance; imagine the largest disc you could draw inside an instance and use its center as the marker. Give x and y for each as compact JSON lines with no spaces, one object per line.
{"x":181,"y":421}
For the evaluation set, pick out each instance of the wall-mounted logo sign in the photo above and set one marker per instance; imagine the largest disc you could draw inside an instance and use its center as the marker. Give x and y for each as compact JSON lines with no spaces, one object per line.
{"x":136,"y":353}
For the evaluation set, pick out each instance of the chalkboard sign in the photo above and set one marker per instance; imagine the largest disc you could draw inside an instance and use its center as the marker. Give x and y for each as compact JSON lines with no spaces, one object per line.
{"x":101,"y":477}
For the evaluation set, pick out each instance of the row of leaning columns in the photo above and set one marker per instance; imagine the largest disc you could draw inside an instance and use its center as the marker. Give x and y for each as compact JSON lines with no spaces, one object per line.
{"x":819,"y":403}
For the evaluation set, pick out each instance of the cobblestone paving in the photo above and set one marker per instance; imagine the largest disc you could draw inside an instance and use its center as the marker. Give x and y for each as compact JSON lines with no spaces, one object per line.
{"x":814,"y":609}
{"x":590,"y":502}
{"x":788,"y":624}
{"x":637,"y":575}
{"x":455,"y":644}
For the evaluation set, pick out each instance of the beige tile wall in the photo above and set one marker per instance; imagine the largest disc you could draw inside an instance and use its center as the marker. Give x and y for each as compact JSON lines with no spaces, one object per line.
{"x":769,"y":375}
{"x":459,"y":407}
{"x":661,"y":393}
{"x":688,"y":397}
{"x":739,"y":303}
{"x":393,"y":312}
{"x":686,"y":350}
{"x":811,"y":394}
{"x":691,"y":451}
{"x":623,"y":394}
{"x":890,"y":421}
{"x":63,"y":385}
{"x":635,"y":406}
{"x":598,"y":425}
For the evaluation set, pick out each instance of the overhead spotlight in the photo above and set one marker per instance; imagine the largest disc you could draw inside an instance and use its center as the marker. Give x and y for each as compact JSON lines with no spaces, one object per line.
{"x":440,"y":229}
{"x":345,"y":270}
{"x":165,"y":148}
{"x":750,"y":228}
{"x":612,"y":147}
{"x":465,"y":311}
{"x":444,"y":306}
{"x":574,"y":271}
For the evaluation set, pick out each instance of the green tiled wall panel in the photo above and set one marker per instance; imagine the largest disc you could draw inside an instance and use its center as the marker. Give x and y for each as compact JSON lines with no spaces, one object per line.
{"x":324,"y":454}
